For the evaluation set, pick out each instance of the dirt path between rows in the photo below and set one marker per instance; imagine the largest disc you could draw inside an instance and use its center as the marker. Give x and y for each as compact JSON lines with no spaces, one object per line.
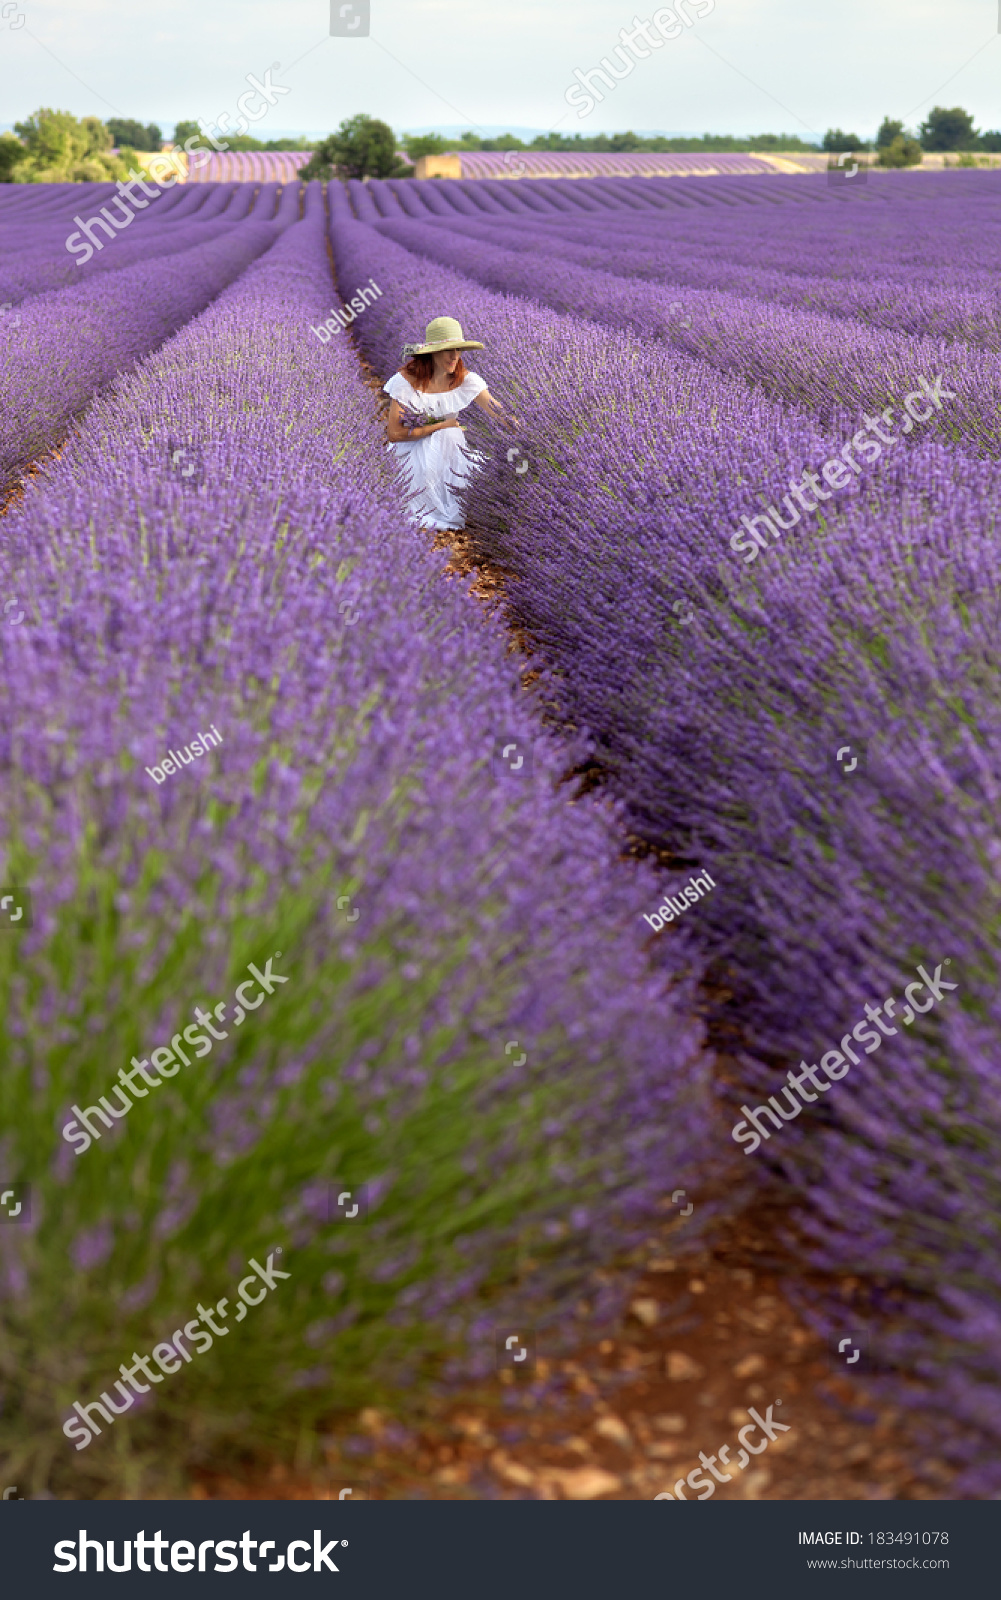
{"x":710,"y":1337}
{"x":712,"y":1333}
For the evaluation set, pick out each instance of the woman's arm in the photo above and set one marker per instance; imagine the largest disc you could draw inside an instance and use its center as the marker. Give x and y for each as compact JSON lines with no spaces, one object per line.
{"x":487,"y":401}
{"x":398,"y":433}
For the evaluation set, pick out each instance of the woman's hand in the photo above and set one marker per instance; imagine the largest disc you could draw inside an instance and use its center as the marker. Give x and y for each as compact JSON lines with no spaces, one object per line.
{"x":398,"y":423}
{"x":486,"y":400}
{"x":450,"y":422}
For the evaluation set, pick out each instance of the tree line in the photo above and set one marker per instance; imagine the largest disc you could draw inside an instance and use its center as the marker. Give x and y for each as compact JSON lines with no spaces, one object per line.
{"x":946,"y":128}
{"x":52,"y":146}
{"x":56,"y":147}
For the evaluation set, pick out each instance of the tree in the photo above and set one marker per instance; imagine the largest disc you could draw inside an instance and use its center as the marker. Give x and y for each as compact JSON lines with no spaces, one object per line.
{"x":183,"y":131}
{"x":835,"y":139}
{"x":425,"y":144}
{"x":11,"y":152}
{"x":362,"y":147}
{"x":991,"y":140}
{"x":888,"y":131}
{"x":246,"y":141}
{"x":900,"y":152}
{"x":186,"y":130}
{"x":126,"y":131}
{"x":60,"y":148}
{"x":947,"y":129}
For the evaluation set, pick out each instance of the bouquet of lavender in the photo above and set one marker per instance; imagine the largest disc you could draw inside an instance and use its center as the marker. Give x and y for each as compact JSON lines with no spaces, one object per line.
{"x":412,"y":418}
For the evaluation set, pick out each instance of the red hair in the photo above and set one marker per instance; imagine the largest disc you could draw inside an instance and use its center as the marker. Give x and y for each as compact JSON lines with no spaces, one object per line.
{"x":419,"y":371}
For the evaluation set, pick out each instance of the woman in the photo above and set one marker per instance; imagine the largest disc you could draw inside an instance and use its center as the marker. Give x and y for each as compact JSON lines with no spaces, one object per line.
{"x":424,"y":431}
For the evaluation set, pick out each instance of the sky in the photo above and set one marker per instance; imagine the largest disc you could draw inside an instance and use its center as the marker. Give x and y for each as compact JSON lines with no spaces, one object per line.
{"x":742,"y":66}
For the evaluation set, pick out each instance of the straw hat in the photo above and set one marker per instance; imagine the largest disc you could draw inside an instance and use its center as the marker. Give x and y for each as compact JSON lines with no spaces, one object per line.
{"x":444,"y":333}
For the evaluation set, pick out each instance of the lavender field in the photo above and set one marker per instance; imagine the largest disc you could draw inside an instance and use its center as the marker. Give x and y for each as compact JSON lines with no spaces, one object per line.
{"x":744,"y":520}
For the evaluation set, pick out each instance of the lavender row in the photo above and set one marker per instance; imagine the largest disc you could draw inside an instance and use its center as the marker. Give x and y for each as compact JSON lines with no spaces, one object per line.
{"x":51,"y":228}
{"x":942,"y":236}
{"x":66,"y":345}
{"x":158,"y":231}
{"x":470,"y":1039}
{"x":942,"y":311}
{"x":799,"y":358}
{"x":719,"y":695}
{"x":39,"y":271}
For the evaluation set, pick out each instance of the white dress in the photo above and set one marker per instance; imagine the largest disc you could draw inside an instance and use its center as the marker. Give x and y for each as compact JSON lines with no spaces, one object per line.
{"x":435,"y":469}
